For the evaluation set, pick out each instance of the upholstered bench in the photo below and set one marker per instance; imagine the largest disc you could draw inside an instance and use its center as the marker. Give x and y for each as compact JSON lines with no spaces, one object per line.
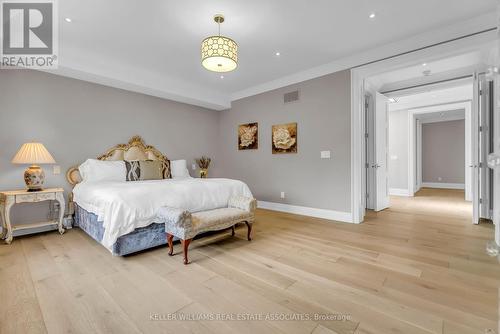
{"x":186,"y":225}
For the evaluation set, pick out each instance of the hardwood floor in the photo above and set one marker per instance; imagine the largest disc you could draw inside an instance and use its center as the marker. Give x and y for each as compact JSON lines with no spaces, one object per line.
{"x":418,"y":267}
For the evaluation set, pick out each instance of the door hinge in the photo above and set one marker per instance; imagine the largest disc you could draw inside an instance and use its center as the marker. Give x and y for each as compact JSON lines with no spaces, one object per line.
{"x":480,"y":92}
{"x":480,"y":201}
{"x":480,"y":165}
{"x":480,"y":129}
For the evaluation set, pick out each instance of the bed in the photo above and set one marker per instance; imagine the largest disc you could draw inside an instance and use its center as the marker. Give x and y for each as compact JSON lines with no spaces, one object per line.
{"x":121,"y":215}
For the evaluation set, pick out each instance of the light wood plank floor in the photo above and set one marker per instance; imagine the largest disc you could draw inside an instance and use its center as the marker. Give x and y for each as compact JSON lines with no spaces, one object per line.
{"x":419,"y":267}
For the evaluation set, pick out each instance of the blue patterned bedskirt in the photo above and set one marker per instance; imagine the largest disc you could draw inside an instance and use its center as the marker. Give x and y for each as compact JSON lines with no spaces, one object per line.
{"x":138,"y":240}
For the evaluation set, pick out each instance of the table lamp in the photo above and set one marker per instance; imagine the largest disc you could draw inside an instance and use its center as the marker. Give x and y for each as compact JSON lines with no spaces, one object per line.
{"x":33,"y":154}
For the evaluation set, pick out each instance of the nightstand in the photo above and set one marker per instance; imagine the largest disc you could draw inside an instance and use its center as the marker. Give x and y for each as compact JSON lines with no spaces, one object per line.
{"x":9,"y":198}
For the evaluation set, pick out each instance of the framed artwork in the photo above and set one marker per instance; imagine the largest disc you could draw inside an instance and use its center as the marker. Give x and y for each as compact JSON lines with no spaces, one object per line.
{"x":248,"y":136}
{"x":284,"y":138}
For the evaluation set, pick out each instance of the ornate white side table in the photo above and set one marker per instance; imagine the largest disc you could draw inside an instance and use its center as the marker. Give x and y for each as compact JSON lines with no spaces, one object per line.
{"x":9,"y":198}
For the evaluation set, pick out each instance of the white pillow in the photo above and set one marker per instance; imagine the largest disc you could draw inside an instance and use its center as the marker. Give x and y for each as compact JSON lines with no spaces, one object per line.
{"x":94,"y":170}
{"x":178,"y":169}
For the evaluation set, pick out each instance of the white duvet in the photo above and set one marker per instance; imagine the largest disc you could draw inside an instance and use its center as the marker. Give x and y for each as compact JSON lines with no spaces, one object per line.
{"x":125,"y":206}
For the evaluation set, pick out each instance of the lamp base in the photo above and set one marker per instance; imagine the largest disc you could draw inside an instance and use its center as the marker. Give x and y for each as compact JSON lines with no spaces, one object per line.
{"x":34,"y":177}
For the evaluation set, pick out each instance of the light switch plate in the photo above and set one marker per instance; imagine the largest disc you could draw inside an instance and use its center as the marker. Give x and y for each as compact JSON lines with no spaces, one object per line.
{"x":56,"y":169}
{"x":325,"y":154}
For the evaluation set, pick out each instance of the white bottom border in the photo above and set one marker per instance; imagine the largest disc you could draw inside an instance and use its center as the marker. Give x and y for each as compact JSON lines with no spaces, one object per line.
{"x":340,"y":216}
{"x":439,"y":185}
{"x":399,"y":192}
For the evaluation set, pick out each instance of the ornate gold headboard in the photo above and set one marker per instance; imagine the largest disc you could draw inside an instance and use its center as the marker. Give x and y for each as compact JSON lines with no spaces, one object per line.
{"x":136,"y":149}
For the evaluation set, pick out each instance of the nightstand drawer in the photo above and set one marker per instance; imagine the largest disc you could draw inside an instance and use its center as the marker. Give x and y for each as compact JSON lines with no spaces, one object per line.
{"x":30,"y":198}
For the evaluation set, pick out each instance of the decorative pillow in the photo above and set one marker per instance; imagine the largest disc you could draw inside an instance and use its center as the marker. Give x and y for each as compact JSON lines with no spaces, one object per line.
{"x":179,"y":169}
{"x":147,"y":170}
{"x":94,"y":170}
{"x":167,"y":170}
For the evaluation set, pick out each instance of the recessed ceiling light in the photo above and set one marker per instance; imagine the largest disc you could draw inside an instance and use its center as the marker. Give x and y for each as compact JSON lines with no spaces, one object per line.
{"x":222,"y":77}
{"x":68,"y":20}
{"x":372,"y":15}
{"x":424,"y":64}
{"x":277,"y":54}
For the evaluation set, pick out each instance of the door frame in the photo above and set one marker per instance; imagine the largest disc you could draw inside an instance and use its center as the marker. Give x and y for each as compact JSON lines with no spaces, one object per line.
{"x":415,"y":164}
{"x":358,"y":76}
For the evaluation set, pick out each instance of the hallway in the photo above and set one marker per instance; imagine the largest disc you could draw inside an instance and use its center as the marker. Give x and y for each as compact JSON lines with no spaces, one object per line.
{"x":435,"y":202}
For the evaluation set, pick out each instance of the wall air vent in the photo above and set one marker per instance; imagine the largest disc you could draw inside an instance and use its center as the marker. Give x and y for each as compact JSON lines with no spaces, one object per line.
{"x":291,"y":97}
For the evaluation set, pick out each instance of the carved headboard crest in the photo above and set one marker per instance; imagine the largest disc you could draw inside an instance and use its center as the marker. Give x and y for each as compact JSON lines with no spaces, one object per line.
{"x":136,"y":149}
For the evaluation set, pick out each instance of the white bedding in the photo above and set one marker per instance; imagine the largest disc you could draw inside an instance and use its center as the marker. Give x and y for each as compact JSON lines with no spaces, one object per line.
{"x":125,"y":206}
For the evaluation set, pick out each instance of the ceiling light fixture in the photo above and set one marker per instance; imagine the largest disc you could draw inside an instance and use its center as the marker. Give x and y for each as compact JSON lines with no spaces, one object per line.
{"x":372,"y":15}
{"x":68,"y":20}
{"x":222,"y":77}
{"x":278,"y":54}
{"x":219,"y":53}
{"x":424,"y":64}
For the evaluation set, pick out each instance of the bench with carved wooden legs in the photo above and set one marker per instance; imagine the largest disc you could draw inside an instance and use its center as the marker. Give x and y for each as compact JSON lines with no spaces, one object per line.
{"x":185,"y":225}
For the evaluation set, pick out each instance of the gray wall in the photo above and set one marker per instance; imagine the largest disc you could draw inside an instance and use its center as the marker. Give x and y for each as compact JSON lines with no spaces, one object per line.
{"x":398,"y":149}
{"x":323,"y":117}
{"x":443,"y":152}
{"x":76,"y":120}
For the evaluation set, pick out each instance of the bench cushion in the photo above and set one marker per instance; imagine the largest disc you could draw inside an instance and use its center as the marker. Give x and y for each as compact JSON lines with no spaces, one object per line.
{"x":218,"y":219}
{"x":186,"y":225}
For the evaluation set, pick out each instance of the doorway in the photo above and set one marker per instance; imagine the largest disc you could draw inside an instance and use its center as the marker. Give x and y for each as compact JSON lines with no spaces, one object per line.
{"x":474,"y":110}
{"x":417,"y":140}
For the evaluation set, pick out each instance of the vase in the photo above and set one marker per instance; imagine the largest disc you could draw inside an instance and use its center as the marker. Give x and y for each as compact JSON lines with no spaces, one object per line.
{"x":34,"y":178}
{"x":203,"y":173}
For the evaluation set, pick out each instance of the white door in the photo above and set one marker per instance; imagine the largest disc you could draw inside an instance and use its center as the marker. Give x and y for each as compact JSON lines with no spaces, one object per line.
{"x":371,"y":182}
{"x":495,"y":158}
{"x":485,"y":143}
{"x":474,"y":167}
{"x":381,"y":145}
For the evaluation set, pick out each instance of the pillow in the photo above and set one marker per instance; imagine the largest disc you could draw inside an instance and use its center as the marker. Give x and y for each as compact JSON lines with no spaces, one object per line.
{"x":146,"y":170}
{"x":179,"y":169}
{"x":94,"y":170}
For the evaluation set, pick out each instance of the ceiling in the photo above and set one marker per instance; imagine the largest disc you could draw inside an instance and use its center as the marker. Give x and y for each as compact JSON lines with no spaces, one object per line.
{"x":155,"y":44}
{"x":434,"y":96}
{"x":441,"y":116}
{"x":430,"y":71}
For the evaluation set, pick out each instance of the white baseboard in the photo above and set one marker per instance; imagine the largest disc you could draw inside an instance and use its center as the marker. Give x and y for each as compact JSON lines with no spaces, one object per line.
{"x":306,"y":211}
{"x":440,"y":185}
{"x":399,"y":192}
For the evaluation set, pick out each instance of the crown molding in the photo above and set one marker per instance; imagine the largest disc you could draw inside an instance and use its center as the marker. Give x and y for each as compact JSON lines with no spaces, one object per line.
{"x":174,"y":90}
{"x":473,"y":25}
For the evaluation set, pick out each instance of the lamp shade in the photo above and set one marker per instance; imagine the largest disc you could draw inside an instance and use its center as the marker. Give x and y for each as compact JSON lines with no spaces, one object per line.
{"x":33,"y":153}
{"x":219,"y":54}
